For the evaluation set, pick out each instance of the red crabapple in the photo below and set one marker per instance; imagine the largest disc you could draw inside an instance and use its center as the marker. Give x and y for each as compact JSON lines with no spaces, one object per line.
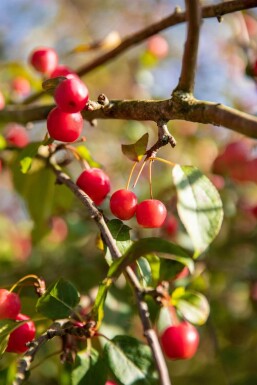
{"x":71,"y":95}
{"x":21,"y":85}
{"x":10,"y":304}
{"x":2,"y":101}
{"x":110,"y":383}
{"x":62,"y":70}
{"x":151,"y":213}
{"x":44,"y":59}
{"x":16,"y":135}
{"x":171,"y":225}
{"x":123,"y":204}
{"x":158,"y":46}
{"x":64,"y":126}
{"x":95,"y":183}
{"x":180,"y":341}
{"x":21,"y":336}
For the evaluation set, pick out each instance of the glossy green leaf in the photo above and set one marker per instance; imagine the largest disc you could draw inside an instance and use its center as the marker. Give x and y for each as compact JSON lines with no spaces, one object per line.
{"x":25,"y":164}
{"x":199,"y":206}
{"x":130,"y":361}
{"x":59,"y":300}
{"x":193,"y":306}
{"x":120,"y":233}
{"x":6,"y":327}
{"x":89,"y":369}
{"x":145,"y":246}
{"x":136,"y":151}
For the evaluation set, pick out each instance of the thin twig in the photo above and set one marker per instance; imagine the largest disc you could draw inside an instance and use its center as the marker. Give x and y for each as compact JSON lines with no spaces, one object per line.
{"x":111,"y":244}
{"x":188,"y":69}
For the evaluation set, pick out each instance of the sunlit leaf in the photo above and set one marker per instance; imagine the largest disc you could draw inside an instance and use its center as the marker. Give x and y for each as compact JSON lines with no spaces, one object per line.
{"x":85,"y":154}
{"x":98,"y":309}
{"x":145,"y":246}
{"x":193,"y":306}
{"x":89,"y":369}
{"x":130,"y":361}
{"x":199,"y":206}
{"x":136,"y":151}
{"x":59,"y":300}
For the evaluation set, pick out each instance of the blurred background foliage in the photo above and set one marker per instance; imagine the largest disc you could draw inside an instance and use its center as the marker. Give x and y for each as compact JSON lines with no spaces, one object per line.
{"x":45,"y":231}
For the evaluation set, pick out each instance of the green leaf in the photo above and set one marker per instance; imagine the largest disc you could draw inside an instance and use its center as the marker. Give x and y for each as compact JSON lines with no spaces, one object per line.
{"x":120,"y":233}
{"x":49,"y":85}
{"x":2,"y":142}
{"x":144,"y":269}
{"x":26,"y":156}
{"x":136,"y":151}
{"x":85,"y":154}
{"x":146,"y":246}
{"x":6,"y":327}
{"x":37,"y":189}
{"x":130,"y":361}
{"x":59,"y":300}
{"x":199,"y":206}
{"x":89,"y":369}
{"x":98,"y":309}
{"x":193,"y":306}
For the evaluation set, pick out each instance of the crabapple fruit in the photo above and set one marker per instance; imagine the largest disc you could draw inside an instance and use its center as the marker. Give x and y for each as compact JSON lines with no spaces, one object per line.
{"x":21,"y":85}
{"x":158,"y":46}
{"x":151,"y":213}
{"x":95,"y":183}
{"x":21,"y":336}
{"x":44,"y":59}
{"x":16,"y":135}
{"x":71,"y":95}
{"x":62,"y":70}
{"x":123,"y":204}
{"x":171,"y":225}
{"x":10,"y":304}
{"x":180,"y":341}
{"x":64,"y":126}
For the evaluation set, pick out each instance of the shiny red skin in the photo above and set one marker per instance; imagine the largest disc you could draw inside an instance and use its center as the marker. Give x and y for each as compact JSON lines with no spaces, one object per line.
{"x":20,"y":336}
{"x":44,"y":59}
{"x":180,"y":341}
{"x":71,"y":95}
{"x":2,"y":101}
{"x":10,"y":304}
{"x":64,"y":126}
{"x":151,"y":213}
{"x":16,"y":135}
{"x":95,"y":183}
{"x":62,"y":70}
{"x":123,"y":204}
{"x":110,"y":383}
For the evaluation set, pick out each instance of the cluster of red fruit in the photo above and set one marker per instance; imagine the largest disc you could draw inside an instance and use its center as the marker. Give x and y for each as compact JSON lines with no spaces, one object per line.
{"x":150,"y":213}
{"x":64,"y":122}
{"x":10,"y":307}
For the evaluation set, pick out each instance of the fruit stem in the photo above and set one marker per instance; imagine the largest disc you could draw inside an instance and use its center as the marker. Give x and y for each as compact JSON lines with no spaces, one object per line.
{"x":140,"y":172}
{"x":172,"y":164}
{"x":173,"y":315}
{"x":130,"y":175}
{"x":150,"y":178}
{"x":29,"y":276}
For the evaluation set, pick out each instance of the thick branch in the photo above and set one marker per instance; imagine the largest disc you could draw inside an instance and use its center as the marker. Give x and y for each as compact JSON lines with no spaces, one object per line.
{"x":189,"y":61}
{"x":180,"y":107}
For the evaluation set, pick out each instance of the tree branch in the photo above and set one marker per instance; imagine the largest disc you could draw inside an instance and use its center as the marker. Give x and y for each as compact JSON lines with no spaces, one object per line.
{"x":189,"y":61}
{"x":111,"y":244}
{"x":177,"y":17}
{"x":181,"y":107}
